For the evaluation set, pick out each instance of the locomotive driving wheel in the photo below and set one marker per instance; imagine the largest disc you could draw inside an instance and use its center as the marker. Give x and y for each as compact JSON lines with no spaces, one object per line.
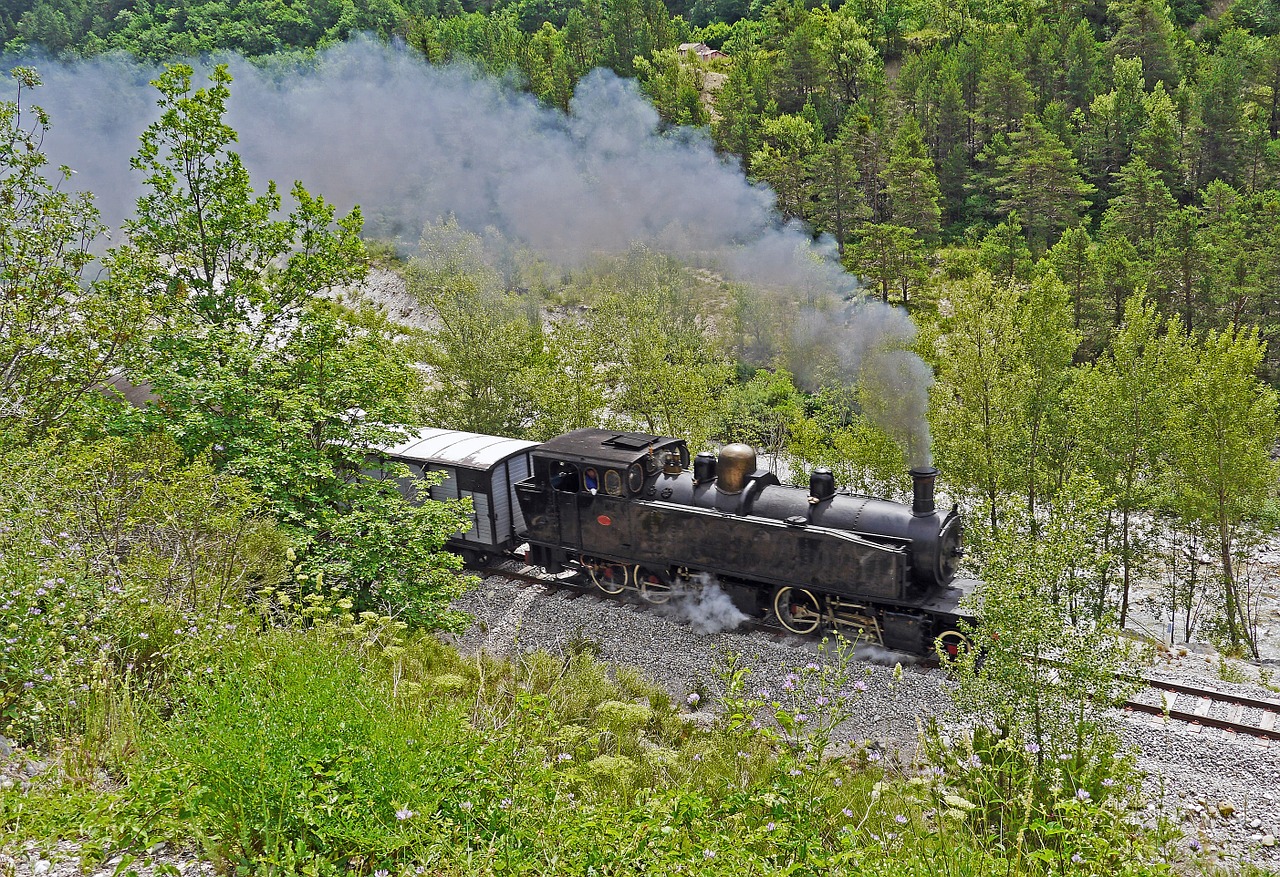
{"x":951,"y":644}
{"x":798,"y":610}
{"x":653,"y":587}
{"x":608,"y":577}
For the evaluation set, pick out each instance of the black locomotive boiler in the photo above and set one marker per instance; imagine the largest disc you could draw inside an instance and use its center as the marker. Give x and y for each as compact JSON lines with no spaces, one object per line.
{"x":629,"y":511}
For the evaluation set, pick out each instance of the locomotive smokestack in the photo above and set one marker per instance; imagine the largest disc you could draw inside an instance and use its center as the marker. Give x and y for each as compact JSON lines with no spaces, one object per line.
{"x":922,"y":491}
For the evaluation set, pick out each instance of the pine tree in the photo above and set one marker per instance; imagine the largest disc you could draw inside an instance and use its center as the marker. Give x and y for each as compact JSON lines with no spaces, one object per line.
{"x":1040,"y":179}
{"x":911,"y":182}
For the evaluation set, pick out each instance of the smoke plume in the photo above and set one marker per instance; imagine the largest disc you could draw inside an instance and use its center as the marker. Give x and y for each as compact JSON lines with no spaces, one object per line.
{"x":371,"y":124}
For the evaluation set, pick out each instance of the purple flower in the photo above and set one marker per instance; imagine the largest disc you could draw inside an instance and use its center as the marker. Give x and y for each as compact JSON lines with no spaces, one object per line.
{"x":788,"y":685}
{"x":693,"y":699}
{"x":1108,"y":783}
{"x":1077,"y":858}
{"x":822,"y":701}
{"x":874,"y":755}
{"x":764,"y":694}
{"x":771,"y":826}
{"x":382,"y":872}
{"x":812,"y":667}
{"x":1083,"y":794}
{"x":795,"y":772}
{"x":1032,"y":747}
{"x":847,"y":813}
{"x":404,"y":813}
{"x":859,"y":686}
{"x":975,"y":761}
{"x":505,"y":803}
{"x":900,"y":819}
{"x":708,"y":854}
{"x":1065,"y":756}
{"x":801,"y":718}
{"x":1194,"y":844}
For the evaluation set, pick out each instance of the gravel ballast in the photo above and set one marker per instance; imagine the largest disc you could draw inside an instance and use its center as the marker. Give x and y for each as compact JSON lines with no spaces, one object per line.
{"x":1224,"y":790}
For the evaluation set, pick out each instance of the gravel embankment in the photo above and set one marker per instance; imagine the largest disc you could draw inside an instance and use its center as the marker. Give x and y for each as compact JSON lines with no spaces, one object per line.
{"x":1224,"y":791}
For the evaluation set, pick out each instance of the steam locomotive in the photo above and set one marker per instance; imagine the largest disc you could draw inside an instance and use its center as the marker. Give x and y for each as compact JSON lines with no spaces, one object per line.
{"x":627,"y":512}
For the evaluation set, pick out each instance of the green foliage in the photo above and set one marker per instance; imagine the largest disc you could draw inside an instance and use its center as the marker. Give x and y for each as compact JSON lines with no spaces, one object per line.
{"x":834,"y":433}
{"x":1004,"y":354}
{"x":1042,"y":769}
{"x":305,"y":750}
{"x":259,"y":373}
{"x":62,"y":330}
{"x":124,"y":563}
{"x":1223,"y":433}
{"x":759,"y":411}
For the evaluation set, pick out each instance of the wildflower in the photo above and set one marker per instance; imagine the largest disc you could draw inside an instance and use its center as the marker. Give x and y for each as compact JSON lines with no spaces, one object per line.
{"x":1077,"y":858}
{"x":505,"y":803}
{"x":466,"y":805}
{"x":801,"y":718}
{"x":564,"y":756}
{"x":788,"y":685}
{"x":693,"y":699}
{"x":1194,"y":844}
{"x":1083,"y":794}
{"x":848,"y":814}
{"x":1108,"y":783}
{"x":382,"y":872}
{"x":697,"y":758}
{"x":900,"y":819}
{"x":1065,"y":756}
{"x":812,"y":667}
{"x":708,"y":854}
{"x":859,"y":686}
{"x":975,"y":760}
{"x":837,"y":782}
{"x":404,"y":813}
{"x":822,"y":701}
{"x":874,"y":755}
{"x":771,"y":826}
{"x":742,"y":754}
{"x":1032,"y":747}
{"x":764,"y":694}
{"x":795,"y":772}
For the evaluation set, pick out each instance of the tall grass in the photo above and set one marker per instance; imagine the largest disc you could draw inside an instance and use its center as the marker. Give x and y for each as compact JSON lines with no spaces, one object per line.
{"x":306,"y":752}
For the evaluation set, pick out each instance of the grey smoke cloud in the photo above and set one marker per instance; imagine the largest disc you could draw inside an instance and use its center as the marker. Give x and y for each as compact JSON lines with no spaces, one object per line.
{"x":374,"y":125}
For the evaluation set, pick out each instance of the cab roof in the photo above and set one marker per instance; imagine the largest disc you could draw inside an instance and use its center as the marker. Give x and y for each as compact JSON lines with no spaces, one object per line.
{"x":607,"y":446}
{"x":452,"y":447}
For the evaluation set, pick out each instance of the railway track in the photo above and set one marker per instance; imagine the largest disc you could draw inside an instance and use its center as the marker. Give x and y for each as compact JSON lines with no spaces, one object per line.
{"x":574,"y":588}
{"x":1198,"y":710}
{"x":1207,"y":711}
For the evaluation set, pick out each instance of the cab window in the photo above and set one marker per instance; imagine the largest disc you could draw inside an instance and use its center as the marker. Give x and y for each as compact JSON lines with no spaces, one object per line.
{"x":564,"y":477}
